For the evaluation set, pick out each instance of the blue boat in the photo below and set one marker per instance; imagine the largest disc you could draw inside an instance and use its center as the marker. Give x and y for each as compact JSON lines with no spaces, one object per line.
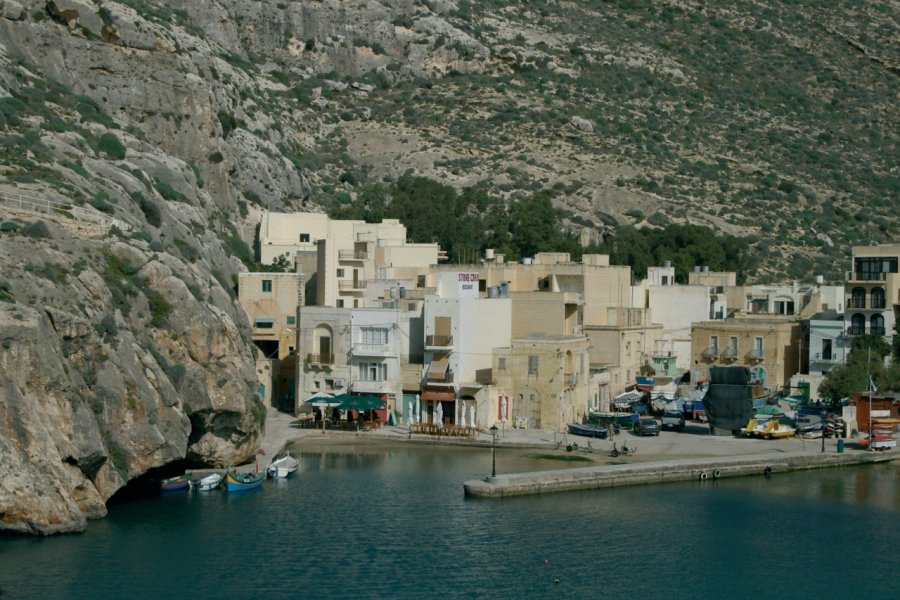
{"x":594,"y":431}
{"x":175,"y":484}
{"x":239,"y":482}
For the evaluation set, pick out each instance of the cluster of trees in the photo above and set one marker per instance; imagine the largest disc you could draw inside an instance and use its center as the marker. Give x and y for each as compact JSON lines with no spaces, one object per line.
{"x":684,"y":244}
{"x":467,"y":222}
{"x":866,"y":359}
{"x":464,"y":223}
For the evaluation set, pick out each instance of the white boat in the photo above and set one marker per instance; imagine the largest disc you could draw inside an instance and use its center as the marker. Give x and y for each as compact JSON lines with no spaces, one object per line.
{"x":210,"y":482}
{"x":283,"y":467}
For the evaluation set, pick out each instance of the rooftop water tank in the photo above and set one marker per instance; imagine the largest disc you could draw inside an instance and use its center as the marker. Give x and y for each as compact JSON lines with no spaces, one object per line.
{"x":667,"y":264}
{"x":504,"y":289}
{"x":527,"y":260}
{"x":489,"y":254}
{"x":493,"y":292}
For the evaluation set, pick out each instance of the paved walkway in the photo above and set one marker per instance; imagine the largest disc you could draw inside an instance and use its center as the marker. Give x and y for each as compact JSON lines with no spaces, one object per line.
{"x":695,"y":441}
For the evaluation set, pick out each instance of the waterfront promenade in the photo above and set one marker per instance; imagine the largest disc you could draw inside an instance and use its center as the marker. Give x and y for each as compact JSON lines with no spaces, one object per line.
{"x":670,"y":456}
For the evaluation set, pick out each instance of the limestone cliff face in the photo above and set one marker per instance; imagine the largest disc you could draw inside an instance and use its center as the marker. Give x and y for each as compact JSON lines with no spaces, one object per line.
{"x":122,"y":347}
{"x":114,"y":360}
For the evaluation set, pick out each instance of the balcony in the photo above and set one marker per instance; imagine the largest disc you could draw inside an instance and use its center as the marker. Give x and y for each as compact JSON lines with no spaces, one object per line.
{"x":353,"y":255}
{"x":866,"y":302}
{"x":373,"y":350}
{"x":731,"y":353}
{"x":824,"y":358}
{"x":712,"y":352}
{"x":573,"y":298}
{"x":438,"y":341}
{"x":373,"y":387}
{"x":351,"y":286}
{"x":878,"y":331}
{"x":865,"y":276}
{"x":320,"y":359}
{"x":856,"y":330}
{"x":756,"y":354}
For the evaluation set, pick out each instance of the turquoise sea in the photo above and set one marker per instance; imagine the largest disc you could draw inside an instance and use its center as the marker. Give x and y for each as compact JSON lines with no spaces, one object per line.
{"x":378,"y":522}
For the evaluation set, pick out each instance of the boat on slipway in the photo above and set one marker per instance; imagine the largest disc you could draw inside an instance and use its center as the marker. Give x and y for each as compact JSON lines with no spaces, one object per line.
{"x":283,"y":467}
{"x":594,"y":431}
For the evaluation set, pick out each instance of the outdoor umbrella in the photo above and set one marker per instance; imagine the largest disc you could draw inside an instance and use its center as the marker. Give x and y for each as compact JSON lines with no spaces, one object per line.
{"x":439,"y":415}
{"x":462,"y":415}
{"x":322,"y":400}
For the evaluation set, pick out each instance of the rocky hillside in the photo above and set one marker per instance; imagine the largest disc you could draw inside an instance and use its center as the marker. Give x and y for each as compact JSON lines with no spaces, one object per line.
{"x":121,"y":344}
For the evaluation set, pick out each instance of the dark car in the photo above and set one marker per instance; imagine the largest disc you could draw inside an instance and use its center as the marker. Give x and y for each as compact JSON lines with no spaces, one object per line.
{"x":673,"y":419}
{"x":646,"y":426}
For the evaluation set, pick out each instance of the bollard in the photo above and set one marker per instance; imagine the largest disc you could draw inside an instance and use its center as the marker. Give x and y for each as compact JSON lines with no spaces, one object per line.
{"x":840,"y":446}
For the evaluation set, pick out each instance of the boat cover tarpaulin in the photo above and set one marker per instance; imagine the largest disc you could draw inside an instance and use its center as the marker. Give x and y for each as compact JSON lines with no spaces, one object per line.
{"x":729,"y":400}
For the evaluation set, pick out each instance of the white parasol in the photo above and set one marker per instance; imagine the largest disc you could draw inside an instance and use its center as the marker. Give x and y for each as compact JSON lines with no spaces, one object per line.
{"x":503,"y":417}
{"x":418,"y":417}
{"x":462,"y":415}
{"x":439,"y":415}
{"x":472,"y":415}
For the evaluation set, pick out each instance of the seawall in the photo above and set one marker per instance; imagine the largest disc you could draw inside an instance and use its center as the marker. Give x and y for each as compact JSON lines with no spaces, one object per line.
{"x":707,"y":468}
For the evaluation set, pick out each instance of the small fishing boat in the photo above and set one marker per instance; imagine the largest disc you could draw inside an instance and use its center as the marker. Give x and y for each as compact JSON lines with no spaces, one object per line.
{"x":210,"y":482}
{"x":594,"y":431}
{"x":174,"y":484}
{"x":283,"y":467}
{"x":239,"y":482}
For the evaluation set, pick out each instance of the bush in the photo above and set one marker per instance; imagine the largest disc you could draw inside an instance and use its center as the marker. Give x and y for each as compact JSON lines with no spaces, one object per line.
{"x":8,"y":226}
{"x":37,"y":229}
{"x":215,"y":157}
{"x":150,"y":210}
{"x":111,"y":146}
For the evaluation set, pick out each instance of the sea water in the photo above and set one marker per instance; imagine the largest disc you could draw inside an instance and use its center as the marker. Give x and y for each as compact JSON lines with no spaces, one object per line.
{"x":378,"y":522}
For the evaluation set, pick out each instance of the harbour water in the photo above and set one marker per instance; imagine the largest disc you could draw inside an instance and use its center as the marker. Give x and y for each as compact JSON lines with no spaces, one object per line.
{"x":392,"y":522}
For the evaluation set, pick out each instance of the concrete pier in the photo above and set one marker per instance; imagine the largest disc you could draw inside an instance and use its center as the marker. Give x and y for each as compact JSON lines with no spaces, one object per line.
{"x":696,"y":469}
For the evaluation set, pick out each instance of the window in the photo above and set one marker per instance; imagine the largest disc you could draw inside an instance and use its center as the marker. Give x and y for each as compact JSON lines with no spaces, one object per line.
{"x":374,"y":336}
{"x":304,"y":237}
{"x":355,"y":303}
{"x":372,"y":371}
{"x":532,"y":365}
{"x":267,"y":285}
{"x":340,"y":272}
{"x":714,"y":343}
{"x":732,"y":345}
{"x":826,"y":349}
{"x":757,"y":347}
{"x":264,"y":323}
{"x":501,"y":364}
{"x":291,"y":320}
{"x":340,"y":303}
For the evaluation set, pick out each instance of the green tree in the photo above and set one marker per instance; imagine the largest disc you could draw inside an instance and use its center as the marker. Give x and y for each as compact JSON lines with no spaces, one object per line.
{"x":865,"y":360}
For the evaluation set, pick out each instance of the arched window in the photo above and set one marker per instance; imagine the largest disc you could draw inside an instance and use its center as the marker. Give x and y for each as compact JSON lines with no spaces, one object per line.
{"x":857,"y":324}
{"x":878,"y":297}
{"x":858,"y":298}
{"x":876,"y":325}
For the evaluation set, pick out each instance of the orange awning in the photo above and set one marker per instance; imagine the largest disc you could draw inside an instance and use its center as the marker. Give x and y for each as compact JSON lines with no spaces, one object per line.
{"x":440,"y":394}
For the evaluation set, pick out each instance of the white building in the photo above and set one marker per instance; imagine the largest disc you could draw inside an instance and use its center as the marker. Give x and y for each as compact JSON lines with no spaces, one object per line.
{"x":461,"y":331}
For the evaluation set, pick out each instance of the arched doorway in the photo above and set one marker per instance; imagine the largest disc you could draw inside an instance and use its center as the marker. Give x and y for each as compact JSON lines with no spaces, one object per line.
{"x":858,"y":298}
{"x":878,"y":297}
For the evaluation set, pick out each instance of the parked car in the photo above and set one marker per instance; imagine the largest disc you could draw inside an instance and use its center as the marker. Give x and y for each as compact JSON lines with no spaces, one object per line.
{"x":646,"y":426}
{"x":673,"y":419}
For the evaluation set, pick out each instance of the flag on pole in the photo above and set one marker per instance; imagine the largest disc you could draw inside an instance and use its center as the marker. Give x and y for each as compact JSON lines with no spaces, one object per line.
{"x":872,"y":385}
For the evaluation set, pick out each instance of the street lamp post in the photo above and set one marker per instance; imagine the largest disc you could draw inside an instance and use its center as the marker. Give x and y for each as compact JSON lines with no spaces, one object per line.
{"x":494,"y":431}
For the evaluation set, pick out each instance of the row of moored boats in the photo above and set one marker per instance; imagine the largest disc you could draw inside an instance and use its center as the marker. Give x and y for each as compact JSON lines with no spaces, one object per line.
{"x":280,"y":468}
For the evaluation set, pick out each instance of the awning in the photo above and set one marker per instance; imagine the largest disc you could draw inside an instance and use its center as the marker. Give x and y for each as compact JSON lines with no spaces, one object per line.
{"x":437,"y":370}
{"x":264,"y":320}
{"x":439,"y":395}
